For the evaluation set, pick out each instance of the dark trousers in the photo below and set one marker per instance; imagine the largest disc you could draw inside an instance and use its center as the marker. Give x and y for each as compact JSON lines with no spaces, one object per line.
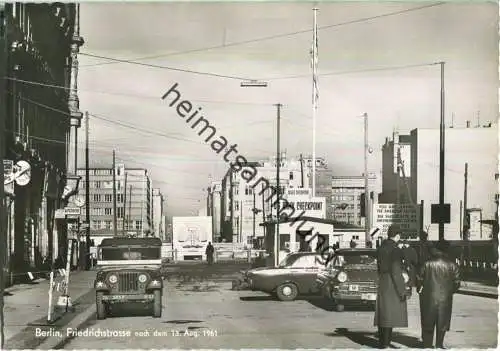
{"x":428,"y":335}
{"x":210,"y":259}
{"x":385,"y":337}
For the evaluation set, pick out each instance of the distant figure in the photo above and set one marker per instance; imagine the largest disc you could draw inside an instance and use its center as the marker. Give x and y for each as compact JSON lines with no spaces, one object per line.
{"x":352,"y":244}
{"x":369,"y":244}
{"x":210,"y":253}
{"x":424,"y":249}
{"x":439,"y":279}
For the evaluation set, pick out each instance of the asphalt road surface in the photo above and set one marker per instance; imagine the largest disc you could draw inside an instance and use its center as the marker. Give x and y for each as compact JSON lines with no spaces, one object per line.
{"x":208,"y":315}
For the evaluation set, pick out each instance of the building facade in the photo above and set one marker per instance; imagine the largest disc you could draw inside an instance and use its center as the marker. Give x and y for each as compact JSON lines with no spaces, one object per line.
{"x":244,"y":205}
{"x":478,"y":147}
{"x":347,"y":197}
{"x":133,"y":201}
{"x":42,"y":42}
{"x":157,"y":215}
{"x":396,"y":166}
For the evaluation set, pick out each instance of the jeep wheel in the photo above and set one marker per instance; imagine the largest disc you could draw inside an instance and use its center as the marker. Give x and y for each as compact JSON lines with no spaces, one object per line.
{"x":157,"y":304}
{"x":100,"y":306}
{"x":287,"y":292}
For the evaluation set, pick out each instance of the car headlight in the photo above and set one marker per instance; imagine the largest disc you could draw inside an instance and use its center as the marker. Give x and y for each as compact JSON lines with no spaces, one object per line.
{"x":113,"y":278}
{"x":142,"y":278}
{"x":406,"y":277}
{"x":342,"y":277}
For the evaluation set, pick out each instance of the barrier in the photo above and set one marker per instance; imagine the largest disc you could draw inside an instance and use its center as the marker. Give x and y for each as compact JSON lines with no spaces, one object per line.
{"x":57,"y":284}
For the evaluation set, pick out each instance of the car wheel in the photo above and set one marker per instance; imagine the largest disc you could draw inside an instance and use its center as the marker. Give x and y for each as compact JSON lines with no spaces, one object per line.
{"x":287,"y":292}
{"x":100,"y":306}
{"x":339,"y":307}
{"x":157,"y":304}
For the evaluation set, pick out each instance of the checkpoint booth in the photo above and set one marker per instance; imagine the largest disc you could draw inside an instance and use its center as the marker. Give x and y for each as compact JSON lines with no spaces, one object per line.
{"x":302,"y":234}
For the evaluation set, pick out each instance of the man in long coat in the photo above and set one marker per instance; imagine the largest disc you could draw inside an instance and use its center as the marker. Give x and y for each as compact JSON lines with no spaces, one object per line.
{"x":439,"y":279}
{"x":391,"y":308}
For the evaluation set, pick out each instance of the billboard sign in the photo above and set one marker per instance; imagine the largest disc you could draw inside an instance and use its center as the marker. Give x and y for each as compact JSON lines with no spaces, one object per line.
{"x":298,"y":191}
{"x":404,"y":215}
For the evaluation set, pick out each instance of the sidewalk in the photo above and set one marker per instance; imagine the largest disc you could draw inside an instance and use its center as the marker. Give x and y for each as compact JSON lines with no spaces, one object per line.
{"x":478,"y":289}
{"x":26,"y":305}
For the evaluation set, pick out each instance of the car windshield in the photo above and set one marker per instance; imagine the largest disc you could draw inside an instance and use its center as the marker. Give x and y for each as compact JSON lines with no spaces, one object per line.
{"x":130,"y":253}
{"x":288,"y":260}
{"x":353,"y":259}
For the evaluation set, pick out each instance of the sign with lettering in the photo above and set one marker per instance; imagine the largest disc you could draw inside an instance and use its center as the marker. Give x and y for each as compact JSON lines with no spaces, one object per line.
{"x":298,"y":191}
{"x":311,"y":206}
{"x":475,"y":224}
{"x":404,"y":215}
{"x":72,"y":211}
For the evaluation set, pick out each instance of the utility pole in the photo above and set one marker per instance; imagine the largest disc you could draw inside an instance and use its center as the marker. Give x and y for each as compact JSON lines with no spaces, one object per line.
{"x":3,"y":210}
{"x":129,"y":205}
{"x":441,"y":159}
{"x":87,"y":192}
{"x":254,"y":210}
{"x":278,"y":161}
{"x":301,"y":171}
{"x":115,"y":229}
{"x":124,"y":204}
{"x":466,"y":222}
{"x":367,"y":193}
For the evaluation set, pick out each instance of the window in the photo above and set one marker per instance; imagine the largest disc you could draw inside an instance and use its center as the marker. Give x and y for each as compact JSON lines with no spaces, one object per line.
{"x":248,"y":190}
{"x":97,"y":197}
{"x":97,"y":185}
{"x":138,"y":225}
{"x":118,"y":171}
{"x":119,"y":197}
{"x":97,"y":211}
{"x":119,"y":212}
{"x":108,"y":211}
{"x":108,"y":198}
{"x":236,"y":190}
{"x":107,"y":224}
{"x":236,"y":206}
{"x":118,"y":185}
{"x":291,"y":176}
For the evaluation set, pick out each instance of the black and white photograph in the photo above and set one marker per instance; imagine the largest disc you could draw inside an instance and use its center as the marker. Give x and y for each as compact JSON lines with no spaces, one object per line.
{"x":249,"y":175}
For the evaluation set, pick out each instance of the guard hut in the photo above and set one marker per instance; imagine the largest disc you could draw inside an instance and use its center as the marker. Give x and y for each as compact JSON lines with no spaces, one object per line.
{"x":303,"y":234}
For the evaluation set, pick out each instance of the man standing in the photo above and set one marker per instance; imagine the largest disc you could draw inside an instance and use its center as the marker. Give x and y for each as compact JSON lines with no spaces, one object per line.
{"x":210,"y":253}
{"x":438,"y":281}
{"x":391,"y":309}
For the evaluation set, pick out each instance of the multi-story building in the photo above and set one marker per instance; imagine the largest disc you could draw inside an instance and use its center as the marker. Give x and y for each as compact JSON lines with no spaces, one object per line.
{"x":396,"y":166}
{"x":476,"y":147}
{"x":323,"y":181}
{"x":157,"y":215}
{"x":347,"y":197}
{"x":133,"y":201}
{"x":419,"y":158}
{"x":42,"y":42}
{"x":240,"y":199}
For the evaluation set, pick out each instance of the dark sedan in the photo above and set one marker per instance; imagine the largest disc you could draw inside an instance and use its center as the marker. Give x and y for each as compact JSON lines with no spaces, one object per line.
{"x":294,"y":276}
{"x":351,"y":278}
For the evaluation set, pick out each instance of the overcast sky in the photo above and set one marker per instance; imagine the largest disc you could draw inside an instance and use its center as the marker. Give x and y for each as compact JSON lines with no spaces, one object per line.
{"x":463,"y":35}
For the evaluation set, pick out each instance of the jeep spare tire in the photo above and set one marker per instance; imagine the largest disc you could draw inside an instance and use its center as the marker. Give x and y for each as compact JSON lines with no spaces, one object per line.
{"x":287,"y":292}
{"x":157,"y":304}
{"x":100,"y":306}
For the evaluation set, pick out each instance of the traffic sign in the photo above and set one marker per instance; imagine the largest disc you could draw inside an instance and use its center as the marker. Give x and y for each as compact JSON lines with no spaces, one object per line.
{"x":22,"y":174}
{"x":405,"y":216}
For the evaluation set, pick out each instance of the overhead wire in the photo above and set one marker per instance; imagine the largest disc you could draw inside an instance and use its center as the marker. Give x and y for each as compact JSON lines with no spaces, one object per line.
{"x":276,"y":36}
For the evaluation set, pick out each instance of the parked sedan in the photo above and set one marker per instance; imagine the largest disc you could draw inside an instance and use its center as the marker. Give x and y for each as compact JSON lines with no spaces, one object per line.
{"x":294,"y":276}
{"x":351,"y":278}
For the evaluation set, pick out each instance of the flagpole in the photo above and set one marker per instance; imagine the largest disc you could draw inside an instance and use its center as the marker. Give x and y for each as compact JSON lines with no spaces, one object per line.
{"x":315,"y":98}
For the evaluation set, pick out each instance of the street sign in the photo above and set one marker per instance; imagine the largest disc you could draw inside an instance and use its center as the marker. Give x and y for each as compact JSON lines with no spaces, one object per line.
{"x":22,"y":174}
{"x":72,"y":211}
{"x":8,"y":170}
{"x":404,"y":215}
{"x":439,"y":213}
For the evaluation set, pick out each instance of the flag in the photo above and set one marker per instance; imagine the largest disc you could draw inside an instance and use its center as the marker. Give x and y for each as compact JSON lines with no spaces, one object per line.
{"x":314,"y":61}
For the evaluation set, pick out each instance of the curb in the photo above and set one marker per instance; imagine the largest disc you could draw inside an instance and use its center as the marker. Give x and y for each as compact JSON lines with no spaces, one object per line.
{"x":53,"y":342}
{"x":486,"y":294}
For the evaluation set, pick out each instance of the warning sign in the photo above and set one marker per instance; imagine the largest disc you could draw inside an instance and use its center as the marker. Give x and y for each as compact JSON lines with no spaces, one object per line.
{"x":406,"y":216}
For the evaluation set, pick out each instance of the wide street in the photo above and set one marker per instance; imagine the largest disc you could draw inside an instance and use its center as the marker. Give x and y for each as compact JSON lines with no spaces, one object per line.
{"x":209,"y":315}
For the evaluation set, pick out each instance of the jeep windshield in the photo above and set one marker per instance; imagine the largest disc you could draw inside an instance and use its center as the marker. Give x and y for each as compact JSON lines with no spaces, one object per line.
{"x":130,"y":253}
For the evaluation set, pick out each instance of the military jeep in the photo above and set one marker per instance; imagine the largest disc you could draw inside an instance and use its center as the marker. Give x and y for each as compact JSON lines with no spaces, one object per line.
{"x":128,"y":270}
